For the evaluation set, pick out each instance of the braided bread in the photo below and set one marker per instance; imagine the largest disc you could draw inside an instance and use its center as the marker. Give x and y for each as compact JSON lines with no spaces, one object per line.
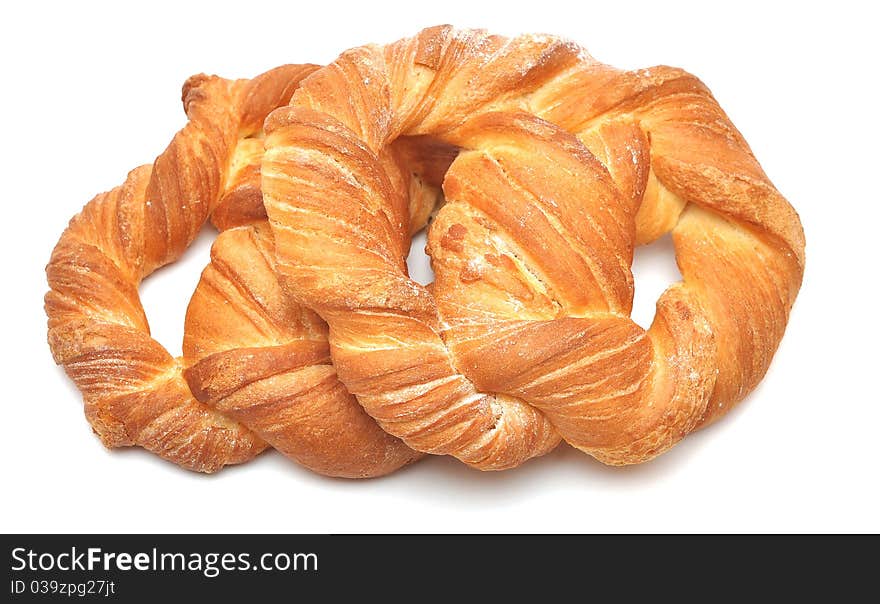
{"x":257,"y":363}
{"x":565,"y":164}
{"x":554,"y":167}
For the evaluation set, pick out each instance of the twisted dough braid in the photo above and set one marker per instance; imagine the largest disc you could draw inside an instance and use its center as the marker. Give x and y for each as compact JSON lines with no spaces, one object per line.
{"x":565,"y":164}
{"x":258,"y":364}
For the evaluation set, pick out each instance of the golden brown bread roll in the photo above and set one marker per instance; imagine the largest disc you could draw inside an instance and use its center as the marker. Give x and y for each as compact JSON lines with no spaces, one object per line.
{"x":258,"y":363}
{"x":566,"y":164}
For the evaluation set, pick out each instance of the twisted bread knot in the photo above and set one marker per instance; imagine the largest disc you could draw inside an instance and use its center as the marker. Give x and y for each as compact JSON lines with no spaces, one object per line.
{"x":565,"y":164}
{"x":257,"y":363}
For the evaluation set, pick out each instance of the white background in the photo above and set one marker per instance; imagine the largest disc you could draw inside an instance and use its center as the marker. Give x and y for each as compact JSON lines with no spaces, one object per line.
{"x":91,"y":91}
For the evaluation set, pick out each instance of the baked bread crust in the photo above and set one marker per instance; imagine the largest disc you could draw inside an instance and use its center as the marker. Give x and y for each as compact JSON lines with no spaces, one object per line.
{"x":566,"y":164}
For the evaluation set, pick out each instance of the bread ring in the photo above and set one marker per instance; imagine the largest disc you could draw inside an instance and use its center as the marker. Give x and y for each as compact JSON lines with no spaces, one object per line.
{"x":258,"y":363}
{"x":525,"y":336}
